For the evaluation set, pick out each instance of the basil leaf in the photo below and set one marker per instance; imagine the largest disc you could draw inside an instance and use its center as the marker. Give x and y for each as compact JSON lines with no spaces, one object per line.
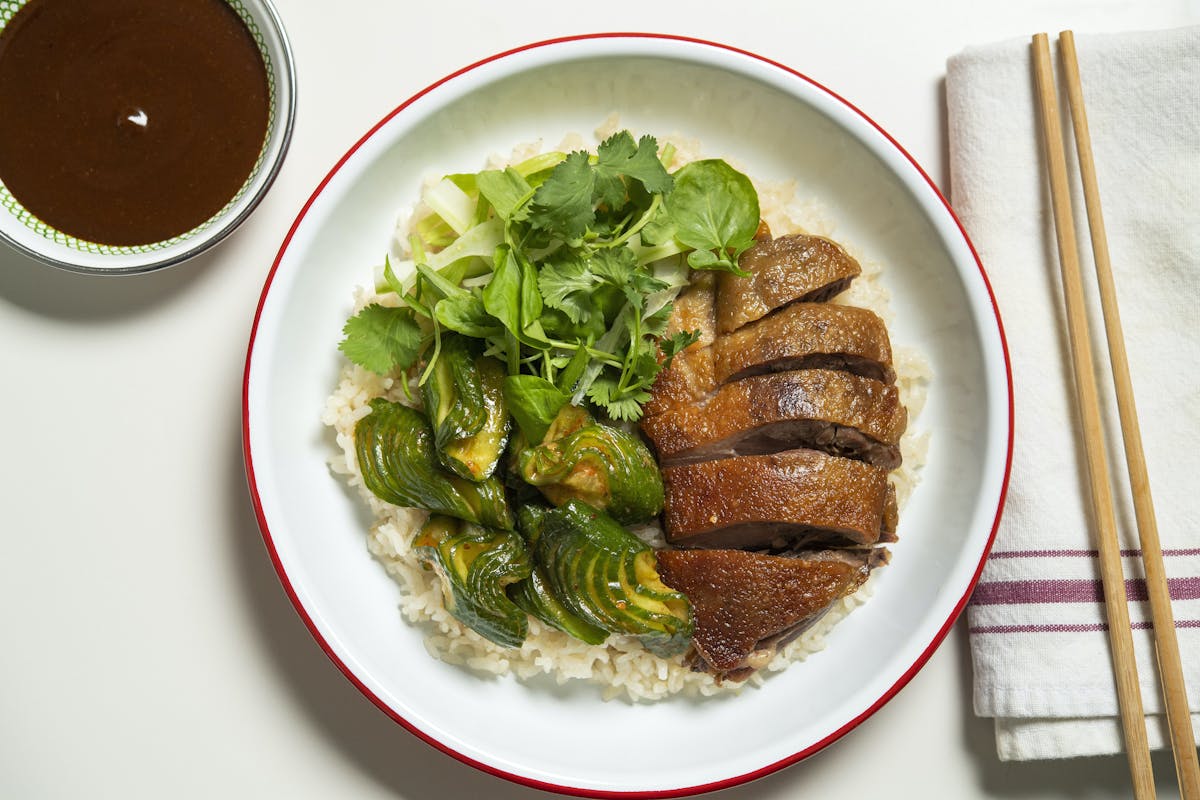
{"x":502,"y":296}
{"x":507,"y":190}
{"x":530,"y":297}
{"x":534,"y":403}
{"x":466,"y":315}
{"x":573,"y":371}
{"x":715,"y":208}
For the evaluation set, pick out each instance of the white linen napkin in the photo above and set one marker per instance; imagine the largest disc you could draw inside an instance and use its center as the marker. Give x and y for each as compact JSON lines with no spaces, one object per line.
{"x":1038,"y":637}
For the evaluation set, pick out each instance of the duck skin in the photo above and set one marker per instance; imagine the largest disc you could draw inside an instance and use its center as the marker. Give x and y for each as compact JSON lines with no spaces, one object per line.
{"x":689,"y":377}
{"x":807,"y":336}
{"x":837,"y":412}
{"x":778,"y":501}
{"x":792,"y":268}
{"x":748,"y":605}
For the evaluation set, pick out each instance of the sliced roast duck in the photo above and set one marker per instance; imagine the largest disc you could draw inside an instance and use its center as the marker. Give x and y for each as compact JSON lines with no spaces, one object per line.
{"x":807,"y":336}
{"x":689,"y":378}
{"x":838,"y":412}
{"x":788,"y":334}
{"x":747,"y":605}
{"x":776,"y":431}
{"x":786,"y":270}
{"x":780,"y":501}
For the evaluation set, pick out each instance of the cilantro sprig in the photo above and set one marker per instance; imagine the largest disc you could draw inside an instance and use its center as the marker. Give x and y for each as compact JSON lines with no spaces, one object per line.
{"x":565,"y":265}
{"x":381,"y":338}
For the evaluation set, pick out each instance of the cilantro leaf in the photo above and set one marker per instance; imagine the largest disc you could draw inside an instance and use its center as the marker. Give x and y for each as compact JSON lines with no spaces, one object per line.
{"x":563,"y":204}
{"x":602,"y":390}
{"x":620,"y":405}
{"x":613,"y":153}
{"x":618,"y":156}
{"x":381,"y":338}
{"x":628,"y":407}
{"x":566,"y":285}
{"x":645,"y":365}
{"x":613,"y":265}
{"x":618,"y":267}
{"x":675,"y":344}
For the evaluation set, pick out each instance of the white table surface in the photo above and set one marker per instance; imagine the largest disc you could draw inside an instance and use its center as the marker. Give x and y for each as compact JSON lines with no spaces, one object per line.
{"x":147,"y":648}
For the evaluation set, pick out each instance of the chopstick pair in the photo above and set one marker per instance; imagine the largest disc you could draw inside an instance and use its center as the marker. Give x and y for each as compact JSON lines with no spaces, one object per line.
{"x":1170,"y":667}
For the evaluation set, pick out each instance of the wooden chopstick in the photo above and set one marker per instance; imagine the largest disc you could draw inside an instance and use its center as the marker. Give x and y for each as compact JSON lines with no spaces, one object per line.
{"x":1170,"y":665}
{"x":1129,"y":697}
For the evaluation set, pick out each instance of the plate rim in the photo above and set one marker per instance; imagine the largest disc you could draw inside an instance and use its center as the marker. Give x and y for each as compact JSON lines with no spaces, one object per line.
{"x":683,"y":791}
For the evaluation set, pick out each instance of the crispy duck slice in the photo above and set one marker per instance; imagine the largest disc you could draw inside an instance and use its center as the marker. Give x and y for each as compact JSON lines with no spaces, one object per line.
{"x":779,"y":501}
{"x":747,"y":605}
{"x":792,"y":268}
{"x":837,"y":412}
{"x":689,"y":378}
{"x":807,"y":336}
{"x":687,"y":382}
{"x":891,"y":515}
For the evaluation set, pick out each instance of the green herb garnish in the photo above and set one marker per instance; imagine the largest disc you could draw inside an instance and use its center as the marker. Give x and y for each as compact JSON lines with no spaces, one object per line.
{"x":566,"y":266}
{"x":715,"y":210}
{"x":381,"y":338}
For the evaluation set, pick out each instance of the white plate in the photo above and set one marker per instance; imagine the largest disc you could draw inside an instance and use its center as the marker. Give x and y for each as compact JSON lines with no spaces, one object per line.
{"x":776,"y":123}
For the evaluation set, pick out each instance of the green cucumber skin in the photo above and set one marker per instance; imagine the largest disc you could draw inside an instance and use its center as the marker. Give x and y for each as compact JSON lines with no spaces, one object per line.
{"x":479,"y":597}
{"x":453,"y":394}
{"x":602,"y":466}
{"x":585,"y":554}
{"x":586,"y":582}
{"x":464,"y":400}
{"x":396,"y":456}
{"x":534,"y":594}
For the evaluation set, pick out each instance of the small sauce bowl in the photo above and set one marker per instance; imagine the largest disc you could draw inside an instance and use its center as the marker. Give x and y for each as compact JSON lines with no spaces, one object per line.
{"x":24,"y":230}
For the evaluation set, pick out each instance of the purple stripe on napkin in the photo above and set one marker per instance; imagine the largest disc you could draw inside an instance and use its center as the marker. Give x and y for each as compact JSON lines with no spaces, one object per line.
{"x":1073,"y":591}
{"x":1167,"y":552}
{"x":1068,"y":628}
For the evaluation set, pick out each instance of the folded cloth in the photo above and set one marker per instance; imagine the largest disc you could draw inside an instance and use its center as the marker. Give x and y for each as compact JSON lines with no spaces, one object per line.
{"x":1039,"y":643}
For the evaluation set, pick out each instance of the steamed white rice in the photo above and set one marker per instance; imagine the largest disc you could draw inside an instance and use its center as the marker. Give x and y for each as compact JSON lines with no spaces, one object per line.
{"x":619,"y":667}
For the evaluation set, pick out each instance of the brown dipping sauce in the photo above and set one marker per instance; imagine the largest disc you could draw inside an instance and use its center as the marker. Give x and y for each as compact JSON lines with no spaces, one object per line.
{"x":126,"y":122}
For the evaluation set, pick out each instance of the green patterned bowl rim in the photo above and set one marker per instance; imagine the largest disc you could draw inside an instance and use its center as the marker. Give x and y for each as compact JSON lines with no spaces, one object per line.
{"x":59,"y":249}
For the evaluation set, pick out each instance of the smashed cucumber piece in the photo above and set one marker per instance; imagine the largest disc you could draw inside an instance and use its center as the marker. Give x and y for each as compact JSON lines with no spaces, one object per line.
{"x":396,"y":455}
{"x":534,"y":594}
{"x":476,"y":566}
{"x":607,"y":576}
{"x":602,"y":466}
{"x":464,"y":399}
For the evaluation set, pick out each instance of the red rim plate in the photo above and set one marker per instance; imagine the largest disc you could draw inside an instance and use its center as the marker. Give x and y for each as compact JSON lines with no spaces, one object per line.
{"x":629,"y":795}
